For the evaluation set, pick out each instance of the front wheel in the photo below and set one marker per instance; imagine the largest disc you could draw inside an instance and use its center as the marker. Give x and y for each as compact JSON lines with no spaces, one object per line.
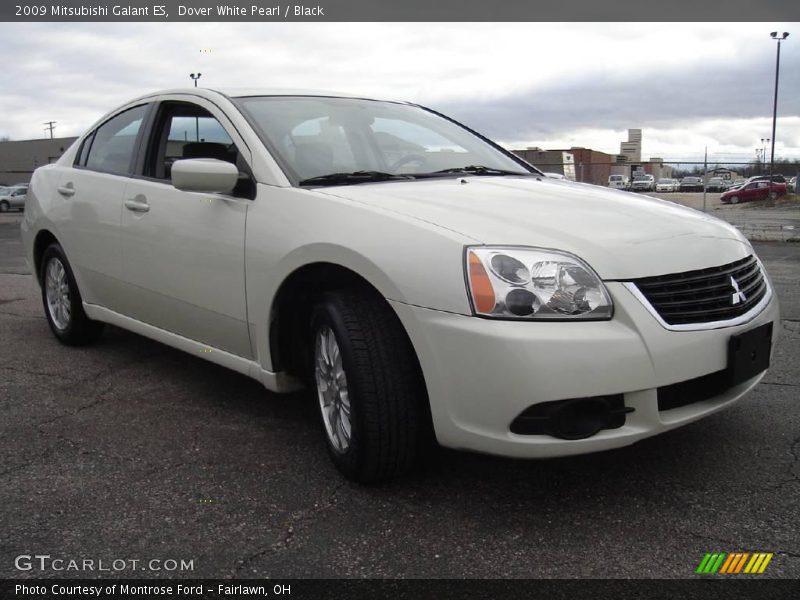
{"x":371,"y":395}
{"x":62,"y":301}
{"x":734,"y":199}
{"x":4,"y":206}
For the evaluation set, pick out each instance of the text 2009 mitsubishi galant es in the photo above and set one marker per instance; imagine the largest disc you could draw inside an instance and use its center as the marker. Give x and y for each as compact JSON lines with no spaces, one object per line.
{"x":420,"y":278}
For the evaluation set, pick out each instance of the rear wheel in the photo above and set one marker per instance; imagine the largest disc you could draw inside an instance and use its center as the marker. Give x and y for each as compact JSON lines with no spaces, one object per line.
{"x":369,"y":386}
{"x":773,"y":195}
{"x":62,"y":301}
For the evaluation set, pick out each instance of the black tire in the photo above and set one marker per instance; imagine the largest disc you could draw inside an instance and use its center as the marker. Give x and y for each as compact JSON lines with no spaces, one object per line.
{"x":4,"y":206}
{"x":79,"y":329}
{"x":389,"y":415}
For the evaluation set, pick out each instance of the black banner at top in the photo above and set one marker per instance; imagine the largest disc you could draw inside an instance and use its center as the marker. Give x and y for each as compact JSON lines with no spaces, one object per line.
{"x":400,"y":10}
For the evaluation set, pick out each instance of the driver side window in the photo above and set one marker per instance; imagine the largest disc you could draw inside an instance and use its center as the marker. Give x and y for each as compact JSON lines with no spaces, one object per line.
{"x":184,"y":130}
{"x":188,"y":131}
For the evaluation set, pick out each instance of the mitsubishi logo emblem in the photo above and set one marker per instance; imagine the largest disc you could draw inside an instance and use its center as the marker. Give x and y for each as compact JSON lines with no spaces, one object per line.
{"x":738,"y":296}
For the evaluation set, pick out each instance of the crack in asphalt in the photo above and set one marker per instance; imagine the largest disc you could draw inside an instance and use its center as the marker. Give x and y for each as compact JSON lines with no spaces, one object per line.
{"x":29,"y":371}
{"x":27,"y":464}
{"x":290,"y":526}
{"x":19,"y":316}
{"x":103,"y":395}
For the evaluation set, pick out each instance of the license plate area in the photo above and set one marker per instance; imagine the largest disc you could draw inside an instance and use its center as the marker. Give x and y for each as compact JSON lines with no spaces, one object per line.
{"x":749,"y":353}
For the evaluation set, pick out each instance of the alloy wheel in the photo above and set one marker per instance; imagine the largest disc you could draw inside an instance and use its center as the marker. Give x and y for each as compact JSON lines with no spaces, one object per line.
{"x":334,"y":397}
{"x":57,"y":293}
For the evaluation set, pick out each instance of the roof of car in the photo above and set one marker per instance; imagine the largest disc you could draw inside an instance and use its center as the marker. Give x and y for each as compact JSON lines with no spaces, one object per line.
{"x":246,"y":92}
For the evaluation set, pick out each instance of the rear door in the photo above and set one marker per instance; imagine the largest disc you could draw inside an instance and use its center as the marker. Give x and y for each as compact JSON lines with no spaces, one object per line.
{"x":88,"y":213}
{"x":183,"y":252}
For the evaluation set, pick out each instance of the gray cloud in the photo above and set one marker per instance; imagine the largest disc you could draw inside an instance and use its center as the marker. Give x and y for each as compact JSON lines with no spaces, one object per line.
{"x":515,"y":82}
{"x":657,"y":98}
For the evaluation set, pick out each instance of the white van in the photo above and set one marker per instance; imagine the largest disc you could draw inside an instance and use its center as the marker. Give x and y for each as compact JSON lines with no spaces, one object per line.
{"x":619,"y":182}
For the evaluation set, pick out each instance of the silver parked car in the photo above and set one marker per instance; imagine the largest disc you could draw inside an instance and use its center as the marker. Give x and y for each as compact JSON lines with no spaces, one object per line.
{"x":13,"y":198}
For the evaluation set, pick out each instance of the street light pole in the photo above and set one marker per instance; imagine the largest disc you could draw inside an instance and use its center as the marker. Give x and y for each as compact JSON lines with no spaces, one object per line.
{"x":195,"y":77}
{"x":774,"y":36}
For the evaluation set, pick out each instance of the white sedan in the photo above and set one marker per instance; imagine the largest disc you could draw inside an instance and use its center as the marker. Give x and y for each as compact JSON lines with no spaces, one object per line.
{"x":667,"y":185}
{"x":424,"y":282}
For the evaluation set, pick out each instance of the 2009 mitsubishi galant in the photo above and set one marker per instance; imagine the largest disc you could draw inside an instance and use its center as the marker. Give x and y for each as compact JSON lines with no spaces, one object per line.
{"x":420,"y":278}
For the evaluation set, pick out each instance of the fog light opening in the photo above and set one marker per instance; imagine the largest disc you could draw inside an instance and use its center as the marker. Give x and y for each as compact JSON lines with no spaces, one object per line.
{"x":580,"y":419}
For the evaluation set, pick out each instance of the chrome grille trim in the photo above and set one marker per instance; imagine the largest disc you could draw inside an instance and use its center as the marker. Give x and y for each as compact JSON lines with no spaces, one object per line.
{"x":753,"y":276}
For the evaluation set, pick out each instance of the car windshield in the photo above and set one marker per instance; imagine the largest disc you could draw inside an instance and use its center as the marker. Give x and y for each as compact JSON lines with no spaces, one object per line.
{"x":340,"y":141}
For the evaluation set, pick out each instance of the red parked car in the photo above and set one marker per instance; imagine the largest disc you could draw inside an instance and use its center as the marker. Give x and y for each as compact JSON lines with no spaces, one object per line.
{"x":755,"y":190}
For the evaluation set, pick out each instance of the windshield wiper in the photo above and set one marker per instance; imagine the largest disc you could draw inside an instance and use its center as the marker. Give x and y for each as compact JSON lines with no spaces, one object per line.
{"x":352,"y":178}
{"x":479,"y":170}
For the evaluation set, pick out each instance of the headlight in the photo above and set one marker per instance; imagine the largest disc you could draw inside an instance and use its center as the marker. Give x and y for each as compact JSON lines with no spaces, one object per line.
{"x":529,"y":283}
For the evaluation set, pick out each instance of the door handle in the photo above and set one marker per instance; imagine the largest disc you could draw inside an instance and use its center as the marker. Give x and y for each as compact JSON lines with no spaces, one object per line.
{"x":137,"y":204}
{"x":66,"y":190}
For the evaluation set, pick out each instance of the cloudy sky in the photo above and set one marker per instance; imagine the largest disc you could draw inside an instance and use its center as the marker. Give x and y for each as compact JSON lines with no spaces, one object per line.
{"x":526,"y":84}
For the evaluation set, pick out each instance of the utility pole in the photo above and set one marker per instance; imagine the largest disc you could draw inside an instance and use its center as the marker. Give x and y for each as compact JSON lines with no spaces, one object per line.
{"x":51,"y":125}
{"x":705,"y":178}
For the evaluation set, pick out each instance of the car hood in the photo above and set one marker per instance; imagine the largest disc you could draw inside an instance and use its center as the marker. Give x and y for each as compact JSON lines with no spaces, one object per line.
{"x":621,"y":235}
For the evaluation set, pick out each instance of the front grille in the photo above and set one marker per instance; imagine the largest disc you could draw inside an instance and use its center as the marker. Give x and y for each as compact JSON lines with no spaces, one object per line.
{"x":706,"y":295}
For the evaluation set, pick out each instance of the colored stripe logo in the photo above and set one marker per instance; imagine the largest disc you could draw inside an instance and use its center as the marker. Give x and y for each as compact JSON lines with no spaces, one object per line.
{"x":732,"y":563}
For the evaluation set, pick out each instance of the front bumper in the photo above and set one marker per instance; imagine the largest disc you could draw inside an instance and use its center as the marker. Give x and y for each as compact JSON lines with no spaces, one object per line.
{"x":481,"y":373}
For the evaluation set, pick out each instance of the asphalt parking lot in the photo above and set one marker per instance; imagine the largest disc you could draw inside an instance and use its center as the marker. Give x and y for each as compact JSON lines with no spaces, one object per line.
{"x":759,"y":221}
{"x":131,"y":450}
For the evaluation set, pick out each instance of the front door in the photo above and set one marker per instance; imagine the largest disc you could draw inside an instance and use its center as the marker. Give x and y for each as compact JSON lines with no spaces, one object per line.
{"x":183,"y":252}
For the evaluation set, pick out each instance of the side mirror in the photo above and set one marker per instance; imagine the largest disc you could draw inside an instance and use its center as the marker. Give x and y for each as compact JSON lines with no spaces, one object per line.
{"x":208,"y":175}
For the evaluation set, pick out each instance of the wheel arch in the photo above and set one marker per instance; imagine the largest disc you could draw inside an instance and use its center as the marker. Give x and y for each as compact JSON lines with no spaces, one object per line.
{"x":44,"y":237}
{"x":292,"y":304}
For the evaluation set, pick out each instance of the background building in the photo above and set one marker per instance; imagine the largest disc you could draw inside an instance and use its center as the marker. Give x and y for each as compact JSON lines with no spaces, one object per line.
{"x":632,"y":149}
{"x":550,"y":161}
{"x":18,"y":160}
{"x":657,"y":168}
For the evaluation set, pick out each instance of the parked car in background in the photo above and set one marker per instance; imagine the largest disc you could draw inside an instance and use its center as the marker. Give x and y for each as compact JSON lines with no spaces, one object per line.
{"x":691,"y":184}
{"x":736,"y":183}
{"x":777,"y":178}
{"x":755,"y":190}
{"x":643,"y":183}
{"x":13,"y":198}
{"x":554,"y":175}
{"x":792,"y":185}
{"x":667,"y":185}
{"x":619,"y":182}
{"x":421,"y":282}
{"x":716,"y":184}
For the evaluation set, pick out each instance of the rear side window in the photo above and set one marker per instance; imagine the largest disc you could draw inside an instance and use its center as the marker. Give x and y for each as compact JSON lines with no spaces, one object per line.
{"x":84,"y":153}
{"x":113,"y":144}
